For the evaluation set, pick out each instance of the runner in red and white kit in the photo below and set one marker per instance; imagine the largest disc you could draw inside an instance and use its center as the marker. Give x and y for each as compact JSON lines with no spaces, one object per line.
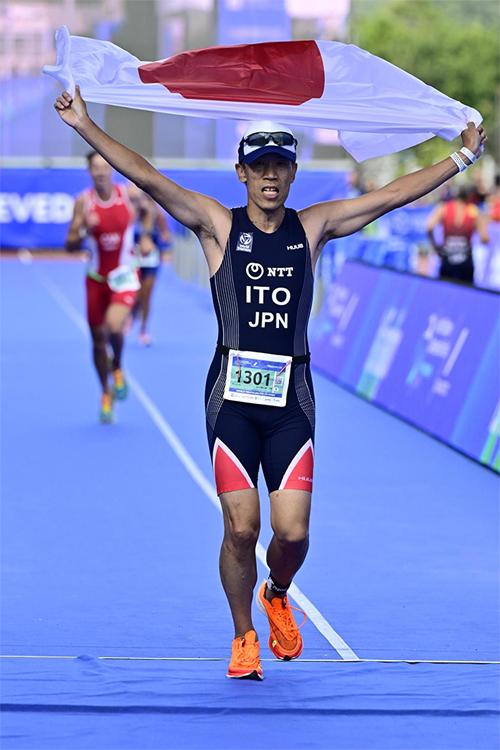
{"x":105,"y":216}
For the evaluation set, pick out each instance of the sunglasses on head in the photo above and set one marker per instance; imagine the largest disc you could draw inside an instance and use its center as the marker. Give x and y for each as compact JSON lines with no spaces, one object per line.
{"x":262,"y":139}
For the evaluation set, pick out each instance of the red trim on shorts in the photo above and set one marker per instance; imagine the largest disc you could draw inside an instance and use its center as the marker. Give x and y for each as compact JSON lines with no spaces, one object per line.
{"x":230,"y":474}
{"x":100,"y":297}
{"x":299,"y":475}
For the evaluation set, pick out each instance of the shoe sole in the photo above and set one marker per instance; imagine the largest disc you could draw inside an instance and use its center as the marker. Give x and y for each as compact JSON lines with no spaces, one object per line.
{"x":280,"y":656}
{"x":107,"y":420}
{"x":250,"y":676}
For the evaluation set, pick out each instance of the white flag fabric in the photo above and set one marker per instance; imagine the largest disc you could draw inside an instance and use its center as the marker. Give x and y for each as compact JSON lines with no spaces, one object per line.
{"x":376,"y":108}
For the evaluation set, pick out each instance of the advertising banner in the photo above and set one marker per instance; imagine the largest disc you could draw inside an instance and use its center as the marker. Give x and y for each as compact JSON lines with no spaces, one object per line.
{"x":424,"y":349}
{"x":36,"y":205}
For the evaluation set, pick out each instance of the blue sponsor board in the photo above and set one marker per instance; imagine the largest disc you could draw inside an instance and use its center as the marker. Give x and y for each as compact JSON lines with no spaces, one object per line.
{"x":427,"y":350}
{"x":36,"y":205}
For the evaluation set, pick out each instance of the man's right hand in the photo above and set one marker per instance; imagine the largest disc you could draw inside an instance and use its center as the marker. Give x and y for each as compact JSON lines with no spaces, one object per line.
{"x":71,"y":109}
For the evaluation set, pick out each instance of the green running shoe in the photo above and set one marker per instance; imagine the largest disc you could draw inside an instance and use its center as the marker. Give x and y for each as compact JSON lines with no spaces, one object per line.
{"x":106,"y":416}
{"x":120,"y":386}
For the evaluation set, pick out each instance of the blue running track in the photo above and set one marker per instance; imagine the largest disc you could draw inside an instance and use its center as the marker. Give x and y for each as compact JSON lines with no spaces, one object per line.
{"x":110,"y":543}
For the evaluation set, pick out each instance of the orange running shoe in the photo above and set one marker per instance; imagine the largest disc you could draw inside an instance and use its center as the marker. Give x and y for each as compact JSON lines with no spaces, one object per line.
{"x":245,"y":662}
{"x":285,"y":640}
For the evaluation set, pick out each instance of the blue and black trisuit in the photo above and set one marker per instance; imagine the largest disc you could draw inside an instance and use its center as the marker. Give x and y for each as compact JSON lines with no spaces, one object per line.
{"x":262,"y":294}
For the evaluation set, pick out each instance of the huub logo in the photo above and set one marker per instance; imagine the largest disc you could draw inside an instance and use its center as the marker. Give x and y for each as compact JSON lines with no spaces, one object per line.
{"x":255,"y":271}
{"x":295,"y":247}
{"x":245,"y":242}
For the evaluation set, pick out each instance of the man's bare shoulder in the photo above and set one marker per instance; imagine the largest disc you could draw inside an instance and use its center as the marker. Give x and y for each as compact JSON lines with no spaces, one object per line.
{"x":316,"y":218}
{"x":316,"y":212}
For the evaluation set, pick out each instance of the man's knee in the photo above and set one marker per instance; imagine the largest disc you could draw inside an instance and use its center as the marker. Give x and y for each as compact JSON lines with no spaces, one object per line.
{"x":242,"y":535}
{"x":98,"y":339}
{"x":295,"y":534}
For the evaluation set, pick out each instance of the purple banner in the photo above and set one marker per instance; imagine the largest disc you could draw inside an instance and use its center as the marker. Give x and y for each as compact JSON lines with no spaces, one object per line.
{"x":426,"y":350}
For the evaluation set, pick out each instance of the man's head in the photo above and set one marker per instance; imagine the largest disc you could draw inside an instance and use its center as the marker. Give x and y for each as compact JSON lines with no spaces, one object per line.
{"x":267,"y":137}
{"x":267,"y":163}
{"x":99,"y":170}
{"x":463,"y":193}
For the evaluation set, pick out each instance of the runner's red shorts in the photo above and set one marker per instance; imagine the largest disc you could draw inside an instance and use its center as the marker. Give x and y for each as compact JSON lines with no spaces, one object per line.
{"x":100,"y":297}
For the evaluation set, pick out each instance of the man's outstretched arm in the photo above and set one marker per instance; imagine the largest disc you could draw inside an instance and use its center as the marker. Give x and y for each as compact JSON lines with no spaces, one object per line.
{"x":326,"y":221}
{"x":76,"y":229}
{"x":204,"y":215}
{"x":435,"y":218}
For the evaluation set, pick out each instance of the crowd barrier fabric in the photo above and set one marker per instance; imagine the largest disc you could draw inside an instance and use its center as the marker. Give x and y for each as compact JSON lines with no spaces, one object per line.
{"x":424,"y":349}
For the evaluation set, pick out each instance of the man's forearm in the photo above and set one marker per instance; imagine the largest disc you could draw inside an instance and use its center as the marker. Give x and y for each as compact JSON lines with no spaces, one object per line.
{"x":413,"y":186}
{"x":409,"y":188}
{"x":74,"y":240}
{"x":430,"y":234}
{"x":127,"y":162}
{"x":72,"y":246}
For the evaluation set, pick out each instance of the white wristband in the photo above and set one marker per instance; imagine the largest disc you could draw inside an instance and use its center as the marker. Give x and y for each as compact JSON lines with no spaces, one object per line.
{"x":468,"y":153}
{"x":462,"y":166}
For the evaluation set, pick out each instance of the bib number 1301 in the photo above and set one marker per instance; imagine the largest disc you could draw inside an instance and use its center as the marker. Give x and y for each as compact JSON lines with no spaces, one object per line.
{"x":257,"y":378}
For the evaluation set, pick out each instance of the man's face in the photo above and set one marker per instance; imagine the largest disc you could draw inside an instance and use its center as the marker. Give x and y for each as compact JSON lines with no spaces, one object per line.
{"x":100,"y":172}
{"x":268,"y":180}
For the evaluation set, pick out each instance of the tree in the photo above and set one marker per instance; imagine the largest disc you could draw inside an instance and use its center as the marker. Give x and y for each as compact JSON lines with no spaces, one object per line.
{"x":455,"y":53}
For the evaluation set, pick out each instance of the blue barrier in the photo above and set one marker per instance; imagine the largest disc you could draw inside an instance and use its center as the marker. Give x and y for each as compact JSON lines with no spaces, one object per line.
{"x":424,"y":349}
{"x":36,"y":205}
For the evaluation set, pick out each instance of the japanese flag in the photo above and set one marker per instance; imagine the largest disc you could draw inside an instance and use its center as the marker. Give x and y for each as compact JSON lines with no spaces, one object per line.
{"x":377,"y":108}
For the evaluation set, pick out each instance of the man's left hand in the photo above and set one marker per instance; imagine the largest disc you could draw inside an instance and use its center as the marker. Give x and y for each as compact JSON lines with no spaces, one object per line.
{"x":146,"y":244}
{"x":474,"y":138}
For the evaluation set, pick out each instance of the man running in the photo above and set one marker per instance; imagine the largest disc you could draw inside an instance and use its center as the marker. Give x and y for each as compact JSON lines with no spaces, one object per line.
{"x":459,"y":220}
{"x":259,"y":395}
{"x":149,"y":246}
{"x":105,"y":216}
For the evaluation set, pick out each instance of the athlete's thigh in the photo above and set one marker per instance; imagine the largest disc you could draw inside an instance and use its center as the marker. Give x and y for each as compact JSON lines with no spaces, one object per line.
{"x":98,"y":295}
{"x":288,"y":452}
{"x":116,"y":315}
{"x":148,"y":280}
{"x":236,"y":448}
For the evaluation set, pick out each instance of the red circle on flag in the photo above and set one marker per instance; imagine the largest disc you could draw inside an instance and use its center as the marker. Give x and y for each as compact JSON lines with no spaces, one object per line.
{"x":270,"y":73}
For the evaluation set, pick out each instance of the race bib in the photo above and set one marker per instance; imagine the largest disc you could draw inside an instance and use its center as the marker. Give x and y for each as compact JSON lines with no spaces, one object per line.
{"x":257,"y":378}
{"x":456,"y":249}
{"x":151,"y":260}
{"x":123,"y":279}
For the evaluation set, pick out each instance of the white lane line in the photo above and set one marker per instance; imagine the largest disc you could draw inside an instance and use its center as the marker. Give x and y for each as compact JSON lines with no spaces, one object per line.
{"x":221,"y":658}
{"x":324,"y":627}
{"x":311,"y":611}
